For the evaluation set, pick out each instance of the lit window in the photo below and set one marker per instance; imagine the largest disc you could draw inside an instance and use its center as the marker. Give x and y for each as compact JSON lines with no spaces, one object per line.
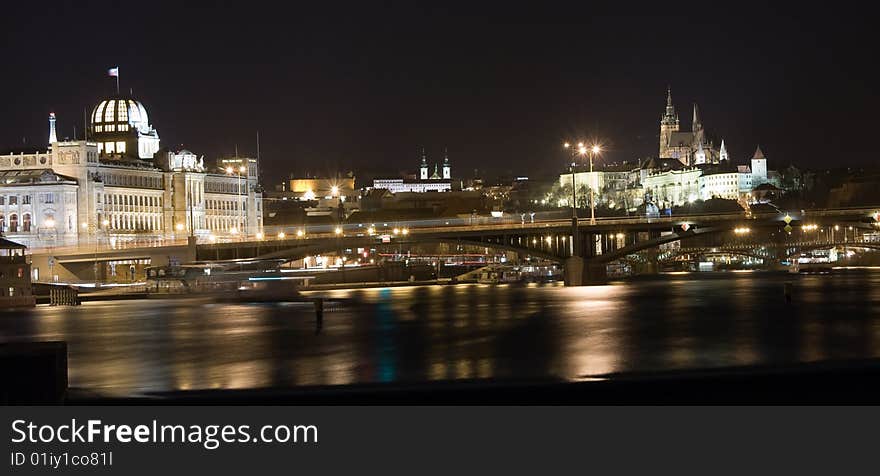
{"x":99,"y":128}
{"x":123,"y":127}
{"x":122,"y":112}
{"x":109,"y":147}
{"x":111,"y":127}
{"x":100,"y":147}
{"x":108,"y":113}
{"x":99,"y":111}
{"x":120,"y":147}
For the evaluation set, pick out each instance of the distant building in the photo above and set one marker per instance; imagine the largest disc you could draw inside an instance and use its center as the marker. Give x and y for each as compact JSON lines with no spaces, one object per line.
{"x":436,"y":182}
{"x":15,"y":276}
{"x":690,"y":147}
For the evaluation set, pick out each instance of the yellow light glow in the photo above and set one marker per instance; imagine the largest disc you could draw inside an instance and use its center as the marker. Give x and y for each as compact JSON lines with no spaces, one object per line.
{"x":233,"y":230}
{"x":371,"y":231}
{"x":582,"y":150}
{"x":260,"y":235}
{"x":179,"y":226}
{"x":596,"y":149}
{"x":566,"y":145}
{"x":338,"y":231}
{"x":84,"y":225}
{"x":105,"y":222}
{"x":281,"y":235}
{"x":229,"y":170}
{"x":580,"y":145}
{"x":334,"y":190}
{"x":396,"y":231}
{"x":300,"y":233}
{"x":50,"y":223}
{"x":405,"y":231}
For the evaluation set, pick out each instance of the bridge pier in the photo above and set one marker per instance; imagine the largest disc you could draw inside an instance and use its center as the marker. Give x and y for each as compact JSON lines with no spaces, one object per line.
{"x":580,"y":272}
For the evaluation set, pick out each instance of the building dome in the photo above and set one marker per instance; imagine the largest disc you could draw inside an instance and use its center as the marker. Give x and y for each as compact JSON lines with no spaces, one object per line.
{"x":120,"y":114}
{"x":121,"y":127}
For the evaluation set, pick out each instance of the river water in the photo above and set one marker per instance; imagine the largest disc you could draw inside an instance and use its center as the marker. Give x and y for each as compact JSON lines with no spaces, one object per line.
{"x":424,"y":333}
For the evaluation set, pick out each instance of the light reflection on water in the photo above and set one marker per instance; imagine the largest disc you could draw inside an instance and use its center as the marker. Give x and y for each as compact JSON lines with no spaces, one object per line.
{"x":462,"y":332}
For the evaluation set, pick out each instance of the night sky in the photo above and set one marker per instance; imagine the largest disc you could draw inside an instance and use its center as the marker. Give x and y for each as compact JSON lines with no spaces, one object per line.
{"x":501,"y":85}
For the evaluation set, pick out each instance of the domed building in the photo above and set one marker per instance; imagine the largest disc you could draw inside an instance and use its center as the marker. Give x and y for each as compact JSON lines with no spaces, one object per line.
{"x":121,"y":127}
{"x":118,"y":184}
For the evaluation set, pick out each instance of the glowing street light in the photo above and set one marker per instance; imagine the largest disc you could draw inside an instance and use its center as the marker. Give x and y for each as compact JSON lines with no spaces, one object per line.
{"x":300,"y":233}
{"x":260,"y":235}
{"x":233,"y":230}
{"x":405,"y":231}
{"x":371,"y":231}
{"x":334,"y":190}
{"x":178,"y":227}
{"x":742,"y":230}
{"x":105,"y":222}
{"x":338,"y":231}
{"x":281,"y":235}
{"x":396,"y":231}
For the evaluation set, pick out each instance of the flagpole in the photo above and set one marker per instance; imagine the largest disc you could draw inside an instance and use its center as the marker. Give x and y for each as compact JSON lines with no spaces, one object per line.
{"x":117,"y":80}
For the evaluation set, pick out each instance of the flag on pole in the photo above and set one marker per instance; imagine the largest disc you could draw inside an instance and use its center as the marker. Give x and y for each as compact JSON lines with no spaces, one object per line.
{"x":113,"y":71}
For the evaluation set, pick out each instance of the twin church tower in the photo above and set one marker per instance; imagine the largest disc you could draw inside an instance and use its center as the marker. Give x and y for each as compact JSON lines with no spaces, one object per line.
{"x":690,"y":147}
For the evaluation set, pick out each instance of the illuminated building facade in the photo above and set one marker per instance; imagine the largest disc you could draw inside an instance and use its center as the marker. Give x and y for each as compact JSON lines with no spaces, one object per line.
{"x":119,"y":182}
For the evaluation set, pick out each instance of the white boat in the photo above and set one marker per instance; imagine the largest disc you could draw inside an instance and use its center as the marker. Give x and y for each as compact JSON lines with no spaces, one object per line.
{"x":811,"y":263}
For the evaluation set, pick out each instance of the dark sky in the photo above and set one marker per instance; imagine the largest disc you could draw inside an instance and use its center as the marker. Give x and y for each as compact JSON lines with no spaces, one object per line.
{"x":501,"y":85}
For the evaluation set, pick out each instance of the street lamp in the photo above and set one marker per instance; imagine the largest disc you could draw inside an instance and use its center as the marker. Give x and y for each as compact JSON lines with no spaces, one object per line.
{"x":593,"y":152}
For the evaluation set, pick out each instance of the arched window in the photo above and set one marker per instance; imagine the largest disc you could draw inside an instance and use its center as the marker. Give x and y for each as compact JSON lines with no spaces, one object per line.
{"x":13,"y":223}
{"x":26,"y":223}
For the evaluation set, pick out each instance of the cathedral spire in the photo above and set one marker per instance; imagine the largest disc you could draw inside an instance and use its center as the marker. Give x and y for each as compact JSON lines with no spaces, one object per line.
{"x":670,"y":117}
{"x":697,"y":124}
{"x":722,"y":154}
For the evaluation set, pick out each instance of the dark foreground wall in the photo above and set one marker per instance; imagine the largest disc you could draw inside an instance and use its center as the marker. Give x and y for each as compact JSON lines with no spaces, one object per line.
{"x":33,"y":373}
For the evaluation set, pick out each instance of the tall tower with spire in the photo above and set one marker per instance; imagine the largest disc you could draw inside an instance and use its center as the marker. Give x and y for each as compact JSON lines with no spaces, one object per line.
{"x":423,"y":168}
{"x":668,"y":124}
{"x":447,"y":168}
{"x":53,"y":138}
{"x":722,"y":154}
{"x":697,"y":127}
{"x":759,"y":168}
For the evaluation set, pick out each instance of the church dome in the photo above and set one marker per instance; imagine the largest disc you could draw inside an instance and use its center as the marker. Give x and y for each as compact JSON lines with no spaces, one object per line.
{"x":119,"y":114}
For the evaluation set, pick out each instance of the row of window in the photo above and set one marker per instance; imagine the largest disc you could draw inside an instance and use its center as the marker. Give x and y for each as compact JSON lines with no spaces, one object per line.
{"x":27,"y":199}
{"x":135,"y":222}
{"x":226,"y":187}
{"x":122,"y":180}
{"x":111,"y":147}
{"x":131,"y":200}
{"x":112,"y":128}
{"x":226,"y":205}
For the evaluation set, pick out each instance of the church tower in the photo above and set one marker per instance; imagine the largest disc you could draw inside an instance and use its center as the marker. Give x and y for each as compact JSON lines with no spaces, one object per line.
{"x":423,"y":168}
{"x":697,"y":127}
{"x":447,"y":169}
{"x":668,"y":125}
{"x":759,"y":168}
{"x":722,"y":155}
{"x":700,"y":155}
{"x":53,"y":138}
